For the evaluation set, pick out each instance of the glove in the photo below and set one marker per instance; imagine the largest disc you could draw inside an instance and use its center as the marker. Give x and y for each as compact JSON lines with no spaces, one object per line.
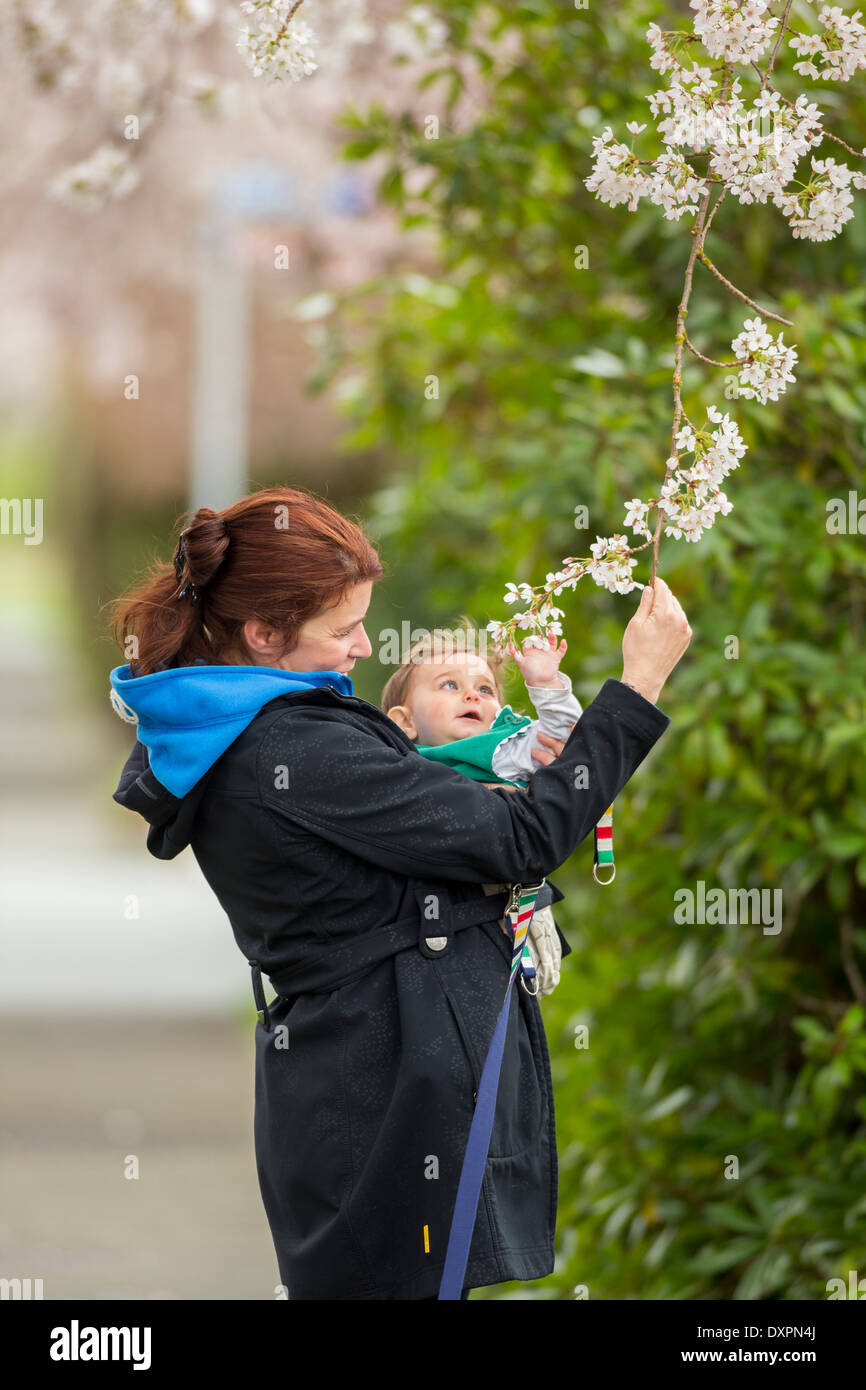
{"x":545,"y":946}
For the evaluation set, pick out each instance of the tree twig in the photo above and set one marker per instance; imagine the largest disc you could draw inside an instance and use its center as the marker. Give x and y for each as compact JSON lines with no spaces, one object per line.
{"x":778,"y":43}
{"x":858,"y":154}
{"x":767,"y":313}
{"x":709,"y":360}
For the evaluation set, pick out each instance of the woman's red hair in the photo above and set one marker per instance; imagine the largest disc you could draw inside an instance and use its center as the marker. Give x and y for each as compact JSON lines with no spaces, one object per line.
{"x":281,"y":555}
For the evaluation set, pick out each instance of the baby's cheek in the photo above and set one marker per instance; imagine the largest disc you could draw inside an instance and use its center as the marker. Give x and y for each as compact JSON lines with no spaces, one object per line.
{"x":434,"y":718}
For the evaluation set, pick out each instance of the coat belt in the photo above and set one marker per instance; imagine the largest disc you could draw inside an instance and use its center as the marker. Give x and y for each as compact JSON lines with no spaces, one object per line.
{"x":339,"y":964}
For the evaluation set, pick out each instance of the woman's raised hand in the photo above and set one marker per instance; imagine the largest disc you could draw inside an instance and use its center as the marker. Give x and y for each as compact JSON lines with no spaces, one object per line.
{"x":654,"y":640}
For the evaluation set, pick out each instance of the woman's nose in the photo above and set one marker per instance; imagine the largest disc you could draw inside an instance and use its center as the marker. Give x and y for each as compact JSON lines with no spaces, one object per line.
{"x":367,"y":648}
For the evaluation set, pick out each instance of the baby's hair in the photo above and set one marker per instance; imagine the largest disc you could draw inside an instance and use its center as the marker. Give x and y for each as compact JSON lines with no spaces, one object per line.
{"x":464,"y":637}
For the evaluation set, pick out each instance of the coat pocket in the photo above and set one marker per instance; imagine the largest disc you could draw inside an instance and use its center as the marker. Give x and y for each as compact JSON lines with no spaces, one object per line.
{"x":475,"y":1002}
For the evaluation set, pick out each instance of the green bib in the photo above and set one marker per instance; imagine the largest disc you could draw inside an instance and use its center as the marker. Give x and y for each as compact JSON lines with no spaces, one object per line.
{"x":473,"y":756}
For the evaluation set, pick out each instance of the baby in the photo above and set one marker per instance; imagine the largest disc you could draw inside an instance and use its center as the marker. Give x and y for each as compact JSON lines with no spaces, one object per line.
{"x":450,"y":704}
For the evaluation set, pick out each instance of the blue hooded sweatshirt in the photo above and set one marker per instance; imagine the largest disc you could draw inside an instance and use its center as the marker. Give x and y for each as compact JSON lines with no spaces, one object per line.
{"x":187,"y":717}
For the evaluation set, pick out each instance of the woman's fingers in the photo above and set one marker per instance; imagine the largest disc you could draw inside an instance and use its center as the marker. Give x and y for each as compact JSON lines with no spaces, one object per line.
{"x":550,"y":741}
{"x":541,"y":755}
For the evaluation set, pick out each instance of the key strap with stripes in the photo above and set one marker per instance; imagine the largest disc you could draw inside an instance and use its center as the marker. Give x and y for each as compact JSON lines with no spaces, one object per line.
{"x":604,"y":847}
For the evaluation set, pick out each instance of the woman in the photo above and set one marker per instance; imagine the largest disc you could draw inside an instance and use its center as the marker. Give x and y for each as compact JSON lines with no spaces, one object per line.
{"x":351,"y":870}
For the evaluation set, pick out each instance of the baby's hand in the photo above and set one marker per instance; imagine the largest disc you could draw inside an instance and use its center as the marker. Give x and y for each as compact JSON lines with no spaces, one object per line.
{"x":539,"y":667}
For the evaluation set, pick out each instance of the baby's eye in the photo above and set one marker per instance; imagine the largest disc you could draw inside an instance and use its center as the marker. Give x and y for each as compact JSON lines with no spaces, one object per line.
{"x":449,"y":680}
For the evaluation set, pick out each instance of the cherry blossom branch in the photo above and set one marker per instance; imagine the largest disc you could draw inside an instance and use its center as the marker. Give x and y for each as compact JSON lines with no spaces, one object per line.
{"x":711,"y":361}
{"x":827,"y":134}
{"x":690,"y":497}
{"x":782,"y":27}
{"x":698,"y":233}
{"x":284,"y":29}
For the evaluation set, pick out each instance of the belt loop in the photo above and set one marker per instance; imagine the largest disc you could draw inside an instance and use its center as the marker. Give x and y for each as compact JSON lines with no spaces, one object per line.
{"x":259,"y":996}
{"x":434,"y":912}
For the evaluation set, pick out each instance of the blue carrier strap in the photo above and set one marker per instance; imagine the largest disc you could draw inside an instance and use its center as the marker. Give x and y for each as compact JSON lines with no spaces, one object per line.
{"x":520,"y":911}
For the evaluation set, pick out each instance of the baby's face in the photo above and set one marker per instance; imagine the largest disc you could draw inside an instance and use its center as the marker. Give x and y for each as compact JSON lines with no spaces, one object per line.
{"x":451,"y":697}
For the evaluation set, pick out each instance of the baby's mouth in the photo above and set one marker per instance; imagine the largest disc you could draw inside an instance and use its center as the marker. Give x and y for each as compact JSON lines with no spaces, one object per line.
{"x":471,"y":714}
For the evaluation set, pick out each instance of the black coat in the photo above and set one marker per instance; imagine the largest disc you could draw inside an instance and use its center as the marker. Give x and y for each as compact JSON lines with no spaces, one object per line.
{"x":338,"y":851}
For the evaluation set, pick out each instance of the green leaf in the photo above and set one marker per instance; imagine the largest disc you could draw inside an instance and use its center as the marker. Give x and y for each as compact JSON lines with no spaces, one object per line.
{"x":360,"y":149}
{"x":812,"y":1031}
{"x":843,"y":733}
{"x":751,"y":783}
{"x":841,"y":401}
{"x":723,"y":1214}
{"x":764,"y":1275}
{"x":828,"y":1082}
{"x":852,"y":1022}
{"x":430,"y":77}
{"x":668,"y":1104}
{"x":598,"y":363}
{"x":844,"y":844}
{"x":618,"y":1218}
{"x":757,"y":1194}
{"x":716,"y":1259}
{"x":391,"y":186}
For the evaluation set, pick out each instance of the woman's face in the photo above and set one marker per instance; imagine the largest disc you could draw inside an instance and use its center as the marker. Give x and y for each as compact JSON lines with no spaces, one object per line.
{"x":332,"y":641}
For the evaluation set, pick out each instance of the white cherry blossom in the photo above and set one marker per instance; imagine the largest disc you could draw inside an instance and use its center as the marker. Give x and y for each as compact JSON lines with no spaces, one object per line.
{"x":739,"y":33}
{"x":819,"y":211}
{"x":635,"y":516}
{"x":107,"y":173}
{"x":768,"y":367}
{"x":276,"y":47}
{"x":662,"y":59}
{"x":842,"y":50}
{"x":611,"y":564}
{"x":417,"y":35}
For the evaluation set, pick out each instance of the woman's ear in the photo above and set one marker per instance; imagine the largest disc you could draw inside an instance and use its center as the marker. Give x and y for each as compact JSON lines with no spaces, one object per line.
{"x":402,"y":717}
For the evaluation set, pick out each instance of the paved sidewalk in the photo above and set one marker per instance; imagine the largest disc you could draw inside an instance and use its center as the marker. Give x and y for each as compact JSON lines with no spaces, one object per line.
{"x":78,"y":1098}
{"x":122,"y":995}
